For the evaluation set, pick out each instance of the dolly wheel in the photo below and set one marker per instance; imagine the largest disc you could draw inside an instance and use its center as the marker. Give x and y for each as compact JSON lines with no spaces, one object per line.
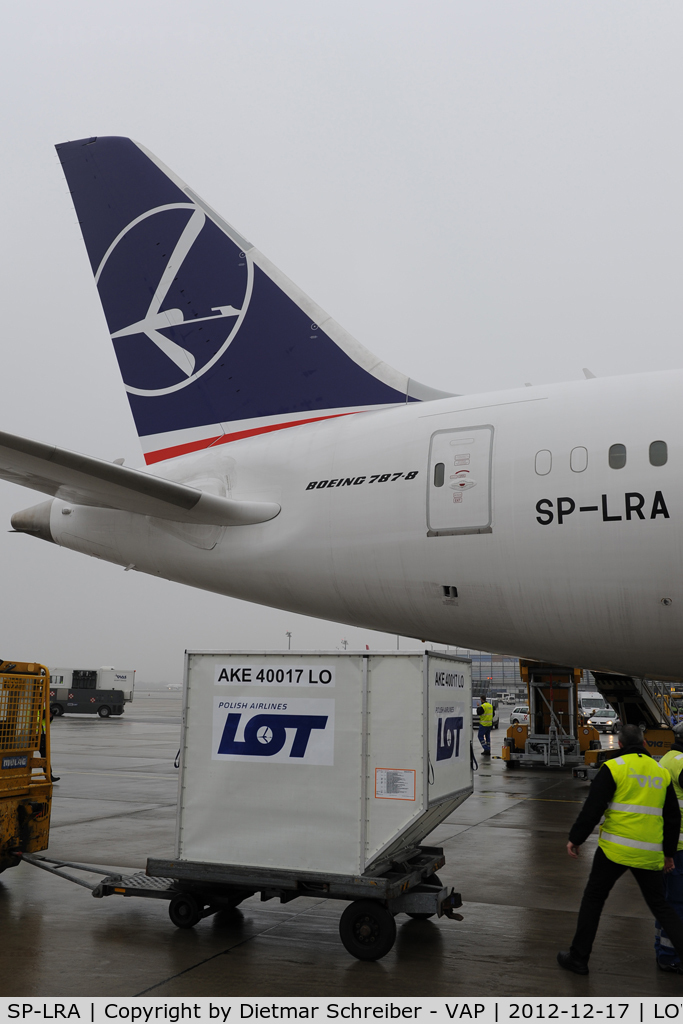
{"x":431,"y":880}
{"x":367,"y":929}
{"x":184,"y":910}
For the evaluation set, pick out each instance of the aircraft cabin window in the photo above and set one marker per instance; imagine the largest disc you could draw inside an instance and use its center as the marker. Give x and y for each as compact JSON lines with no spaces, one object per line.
{"x":617,"y":456}
{"x":578,"y":459}
{"x":658,"y":453}
{"x":544,"y":462}
{"x":439,"y":470}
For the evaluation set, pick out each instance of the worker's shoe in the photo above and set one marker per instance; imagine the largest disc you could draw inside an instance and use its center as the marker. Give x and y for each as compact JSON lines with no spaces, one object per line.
{"x":570,"y":963}
{"x":670,"y":968}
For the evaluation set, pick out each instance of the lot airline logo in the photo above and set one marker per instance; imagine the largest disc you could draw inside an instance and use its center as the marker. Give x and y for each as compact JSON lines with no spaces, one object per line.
{"x":200,"y":284}
{"x":298,"y":731}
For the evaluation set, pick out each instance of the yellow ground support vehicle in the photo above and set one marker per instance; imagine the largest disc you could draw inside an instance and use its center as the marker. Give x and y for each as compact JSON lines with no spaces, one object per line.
{"x":555,"y":736}
{"x":25,"y":786}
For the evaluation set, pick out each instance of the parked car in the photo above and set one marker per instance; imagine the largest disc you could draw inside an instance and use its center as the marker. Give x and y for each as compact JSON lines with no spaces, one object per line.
{"x":605,"y":721}
{"x":520,"y":715}
{"x":476,"y":702}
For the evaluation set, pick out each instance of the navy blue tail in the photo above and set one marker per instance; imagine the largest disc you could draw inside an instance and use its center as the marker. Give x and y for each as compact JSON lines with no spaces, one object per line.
{"x":206,"y":331}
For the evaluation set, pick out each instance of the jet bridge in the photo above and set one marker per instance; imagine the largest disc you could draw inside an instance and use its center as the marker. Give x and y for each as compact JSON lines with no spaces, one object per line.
{"x":554,"y":735}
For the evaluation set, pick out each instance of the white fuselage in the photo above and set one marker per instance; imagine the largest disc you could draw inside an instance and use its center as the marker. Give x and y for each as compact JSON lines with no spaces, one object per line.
{"x":602,"y":588}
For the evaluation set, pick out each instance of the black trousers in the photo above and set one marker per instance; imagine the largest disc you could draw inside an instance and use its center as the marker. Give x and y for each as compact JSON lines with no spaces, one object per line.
{"x":604,"y":874}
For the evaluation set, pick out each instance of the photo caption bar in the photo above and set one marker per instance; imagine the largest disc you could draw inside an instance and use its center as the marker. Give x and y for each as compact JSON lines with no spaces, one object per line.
{"x":484,"y":1010}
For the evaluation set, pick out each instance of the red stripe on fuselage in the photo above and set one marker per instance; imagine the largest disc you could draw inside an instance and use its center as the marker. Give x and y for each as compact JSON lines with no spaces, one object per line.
{"x":209,"y":442}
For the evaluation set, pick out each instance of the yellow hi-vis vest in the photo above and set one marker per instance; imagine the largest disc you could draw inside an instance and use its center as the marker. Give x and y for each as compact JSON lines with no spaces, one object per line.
{"x":487,"y":718}
{"x":633,"y":828}
{"x":673,"y":762}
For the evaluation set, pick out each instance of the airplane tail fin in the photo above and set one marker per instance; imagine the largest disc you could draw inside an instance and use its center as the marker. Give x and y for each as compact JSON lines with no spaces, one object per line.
{"x":213,"y":342}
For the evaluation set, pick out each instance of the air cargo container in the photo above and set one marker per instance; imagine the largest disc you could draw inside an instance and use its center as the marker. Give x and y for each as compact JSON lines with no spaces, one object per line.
{"x":317,"y":774}
{"x":321,"y":762}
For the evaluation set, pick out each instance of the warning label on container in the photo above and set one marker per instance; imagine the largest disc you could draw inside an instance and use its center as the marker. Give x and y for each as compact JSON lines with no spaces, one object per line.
{"x":288,"y":674}
{"x":273,"y":731}
{"x":395,"y":783}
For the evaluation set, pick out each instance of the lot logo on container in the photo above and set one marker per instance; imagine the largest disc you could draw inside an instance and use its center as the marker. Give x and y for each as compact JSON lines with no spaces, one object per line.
{"x":449,"y":725}
{"x":273,"y":732}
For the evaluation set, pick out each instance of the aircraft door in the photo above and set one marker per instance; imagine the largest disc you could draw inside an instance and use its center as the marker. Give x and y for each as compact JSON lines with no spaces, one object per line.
{"x":459,"y":493}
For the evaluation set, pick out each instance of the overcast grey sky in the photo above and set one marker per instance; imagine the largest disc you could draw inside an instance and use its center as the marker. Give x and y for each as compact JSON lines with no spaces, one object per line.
{"x":484,"y":193}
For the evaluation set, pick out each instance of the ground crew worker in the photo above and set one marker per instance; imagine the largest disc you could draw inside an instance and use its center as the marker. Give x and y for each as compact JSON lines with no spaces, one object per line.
{"x":485,"y":712}
{"x":667,"y":957}
{"x":43,"y":742}
{"x":640,"y":832}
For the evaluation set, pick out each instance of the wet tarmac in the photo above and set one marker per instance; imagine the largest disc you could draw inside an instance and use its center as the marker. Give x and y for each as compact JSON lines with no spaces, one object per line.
{"x":505,"y":849}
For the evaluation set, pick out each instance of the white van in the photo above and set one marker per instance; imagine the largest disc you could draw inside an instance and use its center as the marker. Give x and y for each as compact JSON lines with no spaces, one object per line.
{"x":590,"y":703}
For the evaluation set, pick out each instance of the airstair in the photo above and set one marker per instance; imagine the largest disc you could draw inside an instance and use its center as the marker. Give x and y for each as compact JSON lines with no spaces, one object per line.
{"x":642,"y":702}
{"x":637,"y":701}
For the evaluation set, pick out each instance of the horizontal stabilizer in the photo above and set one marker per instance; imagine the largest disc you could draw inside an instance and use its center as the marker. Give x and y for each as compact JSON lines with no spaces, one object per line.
{"x":88,"y":481}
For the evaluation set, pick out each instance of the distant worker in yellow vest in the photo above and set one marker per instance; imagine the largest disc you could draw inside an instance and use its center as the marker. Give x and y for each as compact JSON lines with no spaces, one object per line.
{"x":667,"y":957}
{"x":640,"y":833}
{"x":485,"y":712}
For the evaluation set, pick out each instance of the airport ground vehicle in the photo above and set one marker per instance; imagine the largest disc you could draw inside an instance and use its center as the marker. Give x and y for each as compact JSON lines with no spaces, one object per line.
{"x":554,"y":735}
{"x":105,"y":703}
{"x":590,"y":703}
{"x":102,"y":691}
{"x":25,"y":786}
{"x":520,"y":714}
{"x":605,"y":720}
{"x":336,"y":766}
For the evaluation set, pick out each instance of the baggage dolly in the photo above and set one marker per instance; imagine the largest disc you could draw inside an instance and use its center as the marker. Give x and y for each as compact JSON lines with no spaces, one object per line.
{"x":367,"y":927}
